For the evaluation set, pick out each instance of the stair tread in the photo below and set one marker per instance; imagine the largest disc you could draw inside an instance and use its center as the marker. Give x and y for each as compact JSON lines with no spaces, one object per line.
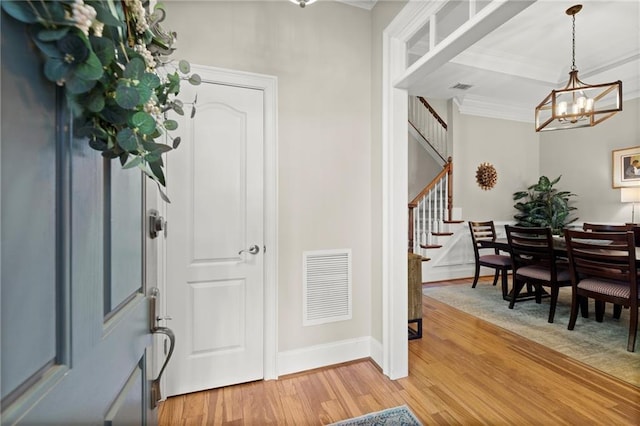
{"x":430,"y":246}
{"x":442,"y":234}
{"x":453,"y":221}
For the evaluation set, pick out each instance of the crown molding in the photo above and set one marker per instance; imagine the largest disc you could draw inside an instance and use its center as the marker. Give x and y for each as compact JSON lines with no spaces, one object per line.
{"x":363,"y":4}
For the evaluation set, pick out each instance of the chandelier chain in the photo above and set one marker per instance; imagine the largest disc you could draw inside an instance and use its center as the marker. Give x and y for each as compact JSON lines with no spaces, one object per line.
{"x":573,"y":43}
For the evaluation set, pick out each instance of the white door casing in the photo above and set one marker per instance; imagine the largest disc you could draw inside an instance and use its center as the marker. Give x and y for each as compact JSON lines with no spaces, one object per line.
{"x":221,"y":182}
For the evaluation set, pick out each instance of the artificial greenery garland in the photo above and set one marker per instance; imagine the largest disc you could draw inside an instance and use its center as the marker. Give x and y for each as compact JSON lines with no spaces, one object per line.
{"x":113,"y":60}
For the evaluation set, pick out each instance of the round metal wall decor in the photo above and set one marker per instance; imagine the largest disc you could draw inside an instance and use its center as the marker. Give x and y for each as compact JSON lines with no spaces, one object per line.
{"x":486,"y":176}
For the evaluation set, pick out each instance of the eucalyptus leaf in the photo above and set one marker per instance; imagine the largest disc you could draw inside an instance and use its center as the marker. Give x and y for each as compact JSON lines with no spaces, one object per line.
{"x":55,"y":10}
{"x":127,"y":97}
{"x":127,"y":139}
{"x":178,"y":109}
{"x":184,"y":66}
{"x":113,"y":114}
{"x":91,"y":69}
{"x":77,"y":85}
{"x":143,"y":122}
{"x":170,"y":124}
{"x":156,"y":147}
{"x":104,"y":49}
{"x":98,"y":144}
{"x":134,"y":69}
{"x":195,"y":79}
{"x":150,"y":80}
{"x":157,"y":171}
{"x":20,"y":10}
{"x":163,"y":195}
{"x":55,"y":69}
{"x":53,"y":35}
{"x":176,"y":142}
{"x":133,"y":163}
{"x":144,"y":94}
{"x":104,"y":15}
{"x":95,"y":101}
{"x":49,"y":49}
{"x":74,"y":106}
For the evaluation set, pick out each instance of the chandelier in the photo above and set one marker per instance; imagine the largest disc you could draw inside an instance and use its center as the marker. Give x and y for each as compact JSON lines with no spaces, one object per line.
{"x":578,"y":104}
{"x":302,"y":3}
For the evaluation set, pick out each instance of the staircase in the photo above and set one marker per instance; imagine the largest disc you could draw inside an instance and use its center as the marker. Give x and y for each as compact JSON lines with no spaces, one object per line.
{"x":431,"y":222}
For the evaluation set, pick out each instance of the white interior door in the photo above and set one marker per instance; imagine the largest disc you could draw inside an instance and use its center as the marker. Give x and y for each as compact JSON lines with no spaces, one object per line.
{"x":215,"y":289}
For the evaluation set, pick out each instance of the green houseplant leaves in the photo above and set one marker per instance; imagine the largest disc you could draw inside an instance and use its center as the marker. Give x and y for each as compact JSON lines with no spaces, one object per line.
{"x":543,"y":205}
{"x":112,"y":58}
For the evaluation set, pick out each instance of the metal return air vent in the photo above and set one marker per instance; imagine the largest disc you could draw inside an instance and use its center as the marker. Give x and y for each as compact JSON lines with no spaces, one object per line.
{"x":326,"y":286}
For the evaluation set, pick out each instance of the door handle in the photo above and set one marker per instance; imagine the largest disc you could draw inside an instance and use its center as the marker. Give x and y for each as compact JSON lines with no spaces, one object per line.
{"x":154,"y":318}
{"x":254,"y":249}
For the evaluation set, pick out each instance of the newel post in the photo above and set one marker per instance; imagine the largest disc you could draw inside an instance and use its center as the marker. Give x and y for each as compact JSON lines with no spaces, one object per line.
{"x":411,"y":207}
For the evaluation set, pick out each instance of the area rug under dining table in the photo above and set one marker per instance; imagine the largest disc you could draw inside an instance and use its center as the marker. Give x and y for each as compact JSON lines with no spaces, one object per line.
{"x":599,"y":345}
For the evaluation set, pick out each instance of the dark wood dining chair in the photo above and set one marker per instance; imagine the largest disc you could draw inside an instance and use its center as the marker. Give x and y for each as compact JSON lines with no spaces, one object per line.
{"x":603,"y":268}
{"x":534,"y":262}
{"x":602,"y":227}
{"x":489,"y":257}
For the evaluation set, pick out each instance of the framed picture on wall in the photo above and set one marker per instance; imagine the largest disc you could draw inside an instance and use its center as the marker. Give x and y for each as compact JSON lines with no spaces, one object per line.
{"x":626,"y":167}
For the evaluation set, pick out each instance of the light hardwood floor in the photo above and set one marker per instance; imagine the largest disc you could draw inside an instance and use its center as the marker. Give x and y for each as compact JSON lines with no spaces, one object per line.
{"x":463,"y":371}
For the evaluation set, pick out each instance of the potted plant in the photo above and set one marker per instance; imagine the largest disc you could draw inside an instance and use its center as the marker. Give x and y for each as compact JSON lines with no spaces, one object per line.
{"x":543,"y":205}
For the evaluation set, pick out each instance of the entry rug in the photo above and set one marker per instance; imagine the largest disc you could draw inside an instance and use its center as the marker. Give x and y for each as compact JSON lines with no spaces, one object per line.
{"x":398,"y":416}
{"x":600,"y":345}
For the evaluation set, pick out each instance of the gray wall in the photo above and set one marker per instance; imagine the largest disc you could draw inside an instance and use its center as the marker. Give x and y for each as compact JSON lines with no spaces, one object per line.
{"x":520,"y":155}
{"x":322,"y":58}
{"x":422,"y":167}
{"x":512,"y":147}
{"x":584,"y":159}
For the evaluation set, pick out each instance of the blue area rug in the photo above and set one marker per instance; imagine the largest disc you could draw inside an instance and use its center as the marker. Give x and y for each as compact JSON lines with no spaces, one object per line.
{"x":397,"y":416}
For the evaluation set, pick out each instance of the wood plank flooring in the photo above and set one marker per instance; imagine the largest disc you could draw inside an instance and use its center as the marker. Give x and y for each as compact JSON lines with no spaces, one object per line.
{"x":463,"y":371}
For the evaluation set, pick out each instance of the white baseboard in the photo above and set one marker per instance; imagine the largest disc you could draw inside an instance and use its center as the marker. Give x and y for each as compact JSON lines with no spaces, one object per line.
{"x":329,"y":354}
{"x":376,"y":352}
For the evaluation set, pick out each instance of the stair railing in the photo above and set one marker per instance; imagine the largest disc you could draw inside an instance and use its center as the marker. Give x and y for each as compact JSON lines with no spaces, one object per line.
{"x":431,"y":209}
{"x":426,"y":121}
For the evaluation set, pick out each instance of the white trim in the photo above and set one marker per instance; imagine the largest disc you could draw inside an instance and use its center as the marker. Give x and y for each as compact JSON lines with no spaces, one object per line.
{"x":397,"y":81}
{"x":322,"y":355}
{"x":269,"y":85}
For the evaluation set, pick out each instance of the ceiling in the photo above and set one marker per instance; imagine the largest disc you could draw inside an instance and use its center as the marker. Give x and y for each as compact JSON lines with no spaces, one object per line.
{"x":515,"y":66}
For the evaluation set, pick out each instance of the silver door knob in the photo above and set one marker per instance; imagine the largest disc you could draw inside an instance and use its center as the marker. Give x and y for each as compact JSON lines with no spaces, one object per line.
{"x":254,"y":249}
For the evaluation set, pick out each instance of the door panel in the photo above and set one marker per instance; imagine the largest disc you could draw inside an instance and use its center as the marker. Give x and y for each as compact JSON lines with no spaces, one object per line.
{"x":68,"y":245}
{"x":126,"y":247}
{"x":28,"y":223}
{"x":215,"y":294}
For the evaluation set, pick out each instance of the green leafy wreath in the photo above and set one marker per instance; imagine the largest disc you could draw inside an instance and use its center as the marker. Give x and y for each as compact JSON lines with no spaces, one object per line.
{"x":113,"y":60}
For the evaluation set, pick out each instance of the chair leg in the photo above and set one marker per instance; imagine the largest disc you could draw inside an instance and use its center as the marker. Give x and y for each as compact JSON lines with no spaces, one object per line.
{"x":495,"y":276}
{"x":575,"y":301}
{"x":539,"y":291}
{"x":633,"y":329}
{"x":476,"y":276}
{"x":517,"y":286}
{"x":617,"y":310}
{"x":599,"y":310}
{"x":554,"y":301}
{"x":505,"y":282}
{"x":584,"y":306}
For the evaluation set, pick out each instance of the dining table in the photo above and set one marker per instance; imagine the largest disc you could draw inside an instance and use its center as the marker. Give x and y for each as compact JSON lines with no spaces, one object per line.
{"x":559,"y":248}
